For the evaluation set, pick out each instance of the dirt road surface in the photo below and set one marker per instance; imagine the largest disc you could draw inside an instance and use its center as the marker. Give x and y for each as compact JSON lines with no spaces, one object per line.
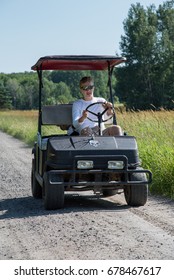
{"x":87,"y":228}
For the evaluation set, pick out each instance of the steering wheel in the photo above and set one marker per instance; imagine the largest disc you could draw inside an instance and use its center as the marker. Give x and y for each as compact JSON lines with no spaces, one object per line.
{"x":98,"y":115}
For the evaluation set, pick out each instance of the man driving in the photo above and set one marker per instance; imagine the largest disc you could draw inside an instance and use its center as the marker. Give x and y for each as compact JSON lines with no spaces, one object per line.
{"x":86,"y":121}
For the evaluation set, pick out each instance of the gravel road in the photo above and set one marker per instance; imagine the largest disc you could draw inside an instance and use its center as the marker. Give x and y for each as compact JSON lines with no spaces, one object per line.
{"x":87,"y":228}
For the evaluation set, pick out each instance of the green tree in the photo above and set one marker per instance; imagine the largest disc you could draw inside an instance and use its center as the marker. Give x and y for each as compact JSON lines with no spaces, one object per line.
{"x":5,"y":99}
{"x":70,"y":78}
{"x":166,"y":50}
{"x":62,"y":93}
{"x":139,"y":46}
{"x":148,"y":45}
{"x":12,"y":86}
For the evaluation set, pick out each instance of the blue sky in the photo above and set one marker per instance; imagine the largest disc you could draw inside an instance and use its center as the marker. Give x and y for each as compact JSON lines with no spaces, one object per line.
{"x":34,"y":28}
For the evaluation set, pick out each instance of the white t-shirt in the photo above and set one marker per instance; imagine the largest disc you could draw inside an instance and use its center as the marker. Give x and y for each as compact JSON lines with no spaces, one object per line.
{"x":77,"y":110}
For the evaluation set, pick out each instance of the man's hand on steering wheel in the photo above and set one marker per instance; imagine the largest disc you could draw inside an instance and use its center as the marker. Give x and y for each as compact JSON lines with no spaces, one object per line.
{"x":107,"y":108}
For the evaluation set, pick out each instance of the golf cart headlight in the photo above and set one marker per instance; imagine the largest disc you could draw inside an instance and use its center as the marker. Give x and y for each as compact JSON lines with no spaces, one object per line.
{"x":85,"y":164}
{"x":112,"y":164}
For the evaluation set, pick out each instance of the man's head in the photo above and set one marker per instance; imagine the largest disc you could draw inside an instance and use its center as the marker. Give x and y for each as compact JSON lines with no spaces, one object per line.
{"x":87,"y":87}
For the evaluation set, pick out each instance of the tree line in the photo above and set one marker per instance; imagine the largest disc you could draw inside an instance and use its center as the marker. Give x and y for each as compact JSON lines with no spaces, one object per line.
{"x":21,"y":90}
{"x":146,"y":80}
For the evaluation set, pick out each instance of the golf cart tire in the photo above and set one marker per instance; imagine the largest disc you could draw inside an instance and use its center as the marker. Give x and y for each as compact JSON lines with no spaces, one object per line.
{"x":53,"y":193}
{"x":36,"y":189}
{"x":136,"y":195}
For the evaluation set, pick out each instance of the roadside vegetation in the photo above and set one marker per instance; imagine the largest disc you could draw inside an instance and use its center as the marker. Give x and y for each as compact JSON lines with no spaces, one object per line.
{"x":154,"y":131}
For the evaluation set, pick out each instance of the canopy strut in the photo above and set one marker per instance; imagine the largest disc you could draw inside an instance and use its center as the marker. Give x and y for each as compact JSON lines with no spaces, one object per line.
{"x":39,"y":72}
{"x":110,"y":71}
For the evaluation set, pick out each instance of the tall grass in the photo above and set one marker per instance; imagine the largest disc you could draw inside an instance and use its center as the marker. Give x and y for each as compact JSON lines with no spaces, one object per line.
{"x":20,"y":124}
{"x":153,"y":130}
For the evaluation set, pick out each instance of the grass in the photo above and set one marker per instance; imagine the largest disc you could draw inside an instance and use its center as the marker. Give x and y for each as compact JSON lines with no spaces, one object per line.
{"x":20,"y":124}
{"x":153,"y":130}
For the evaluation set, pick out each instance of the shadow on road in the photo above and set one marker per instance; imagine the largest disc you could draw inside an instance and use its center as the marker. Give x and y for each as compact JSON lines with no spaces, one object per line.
{"x":28,"y":206}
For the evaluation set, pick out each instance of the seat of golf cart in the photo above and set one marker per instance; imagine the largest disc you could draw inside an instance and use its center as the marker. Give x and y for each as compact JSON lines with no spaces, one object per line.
{"x":60,"y":114}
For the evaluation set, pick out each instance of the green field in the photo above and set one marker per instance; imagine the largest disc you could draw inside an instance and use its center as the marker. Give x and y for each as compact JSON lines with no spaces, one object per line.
{"x":153,"y":130}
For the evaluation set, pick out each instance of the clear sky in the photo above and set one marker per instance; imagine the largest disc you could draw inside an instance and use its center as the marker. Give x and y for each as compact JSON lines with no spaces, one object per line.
{"x":30,"y":29}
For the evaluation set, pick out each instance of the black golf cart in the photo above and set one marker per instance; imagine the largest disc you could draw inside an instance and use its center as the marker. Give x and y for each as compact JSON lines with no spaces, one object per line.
{"x":104,"y":164}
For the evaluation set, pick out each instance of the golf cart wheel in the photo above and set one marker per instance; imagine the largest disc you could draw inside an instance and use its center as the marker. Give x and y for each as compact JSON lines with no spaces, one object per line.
{"x":53,"y":193}
{"x":136,"y":195}
{"x":36,"y":189}
{"x":107,"y":193}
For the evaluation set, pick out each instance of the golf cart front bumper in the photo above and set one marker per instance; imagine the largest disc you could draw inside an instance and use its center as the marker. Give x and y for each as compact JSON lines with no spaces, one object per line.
{"x":90,"y":167}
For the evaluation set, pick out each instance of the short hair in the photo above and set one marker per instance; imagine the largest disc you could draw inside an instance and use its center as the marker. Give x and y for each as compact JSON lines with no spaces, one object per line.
{"x":86,"y":79}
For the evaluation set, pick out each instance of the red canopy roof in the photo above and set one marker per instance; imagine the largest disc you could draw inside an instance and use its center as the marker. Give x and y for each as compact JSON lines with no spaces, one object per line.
{"x":77,"y":62}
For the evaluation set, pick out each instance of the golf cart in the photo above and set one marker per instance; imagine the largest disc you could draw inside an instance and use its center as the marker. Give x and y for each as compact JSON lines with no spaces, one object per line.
{"x":106,"y":165}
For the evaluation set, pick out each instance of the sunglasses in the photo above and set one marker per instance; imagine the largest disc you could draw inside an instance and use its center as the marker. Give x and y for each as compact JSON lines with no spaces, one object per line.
{"x":87,"y":87}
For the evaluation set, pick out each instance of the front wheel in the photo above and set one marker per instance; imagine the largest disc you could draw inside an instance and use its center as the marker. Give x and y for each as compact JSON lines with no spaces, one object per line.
{"x":136,"y":195}
{"x":53,"y":193}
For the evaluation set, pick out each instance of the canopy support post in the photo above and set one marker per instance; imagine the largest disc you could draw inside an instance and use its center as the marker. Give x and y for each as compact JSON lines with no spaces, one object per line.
{"x":110,"y":71}
{"x":39,"y":72}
